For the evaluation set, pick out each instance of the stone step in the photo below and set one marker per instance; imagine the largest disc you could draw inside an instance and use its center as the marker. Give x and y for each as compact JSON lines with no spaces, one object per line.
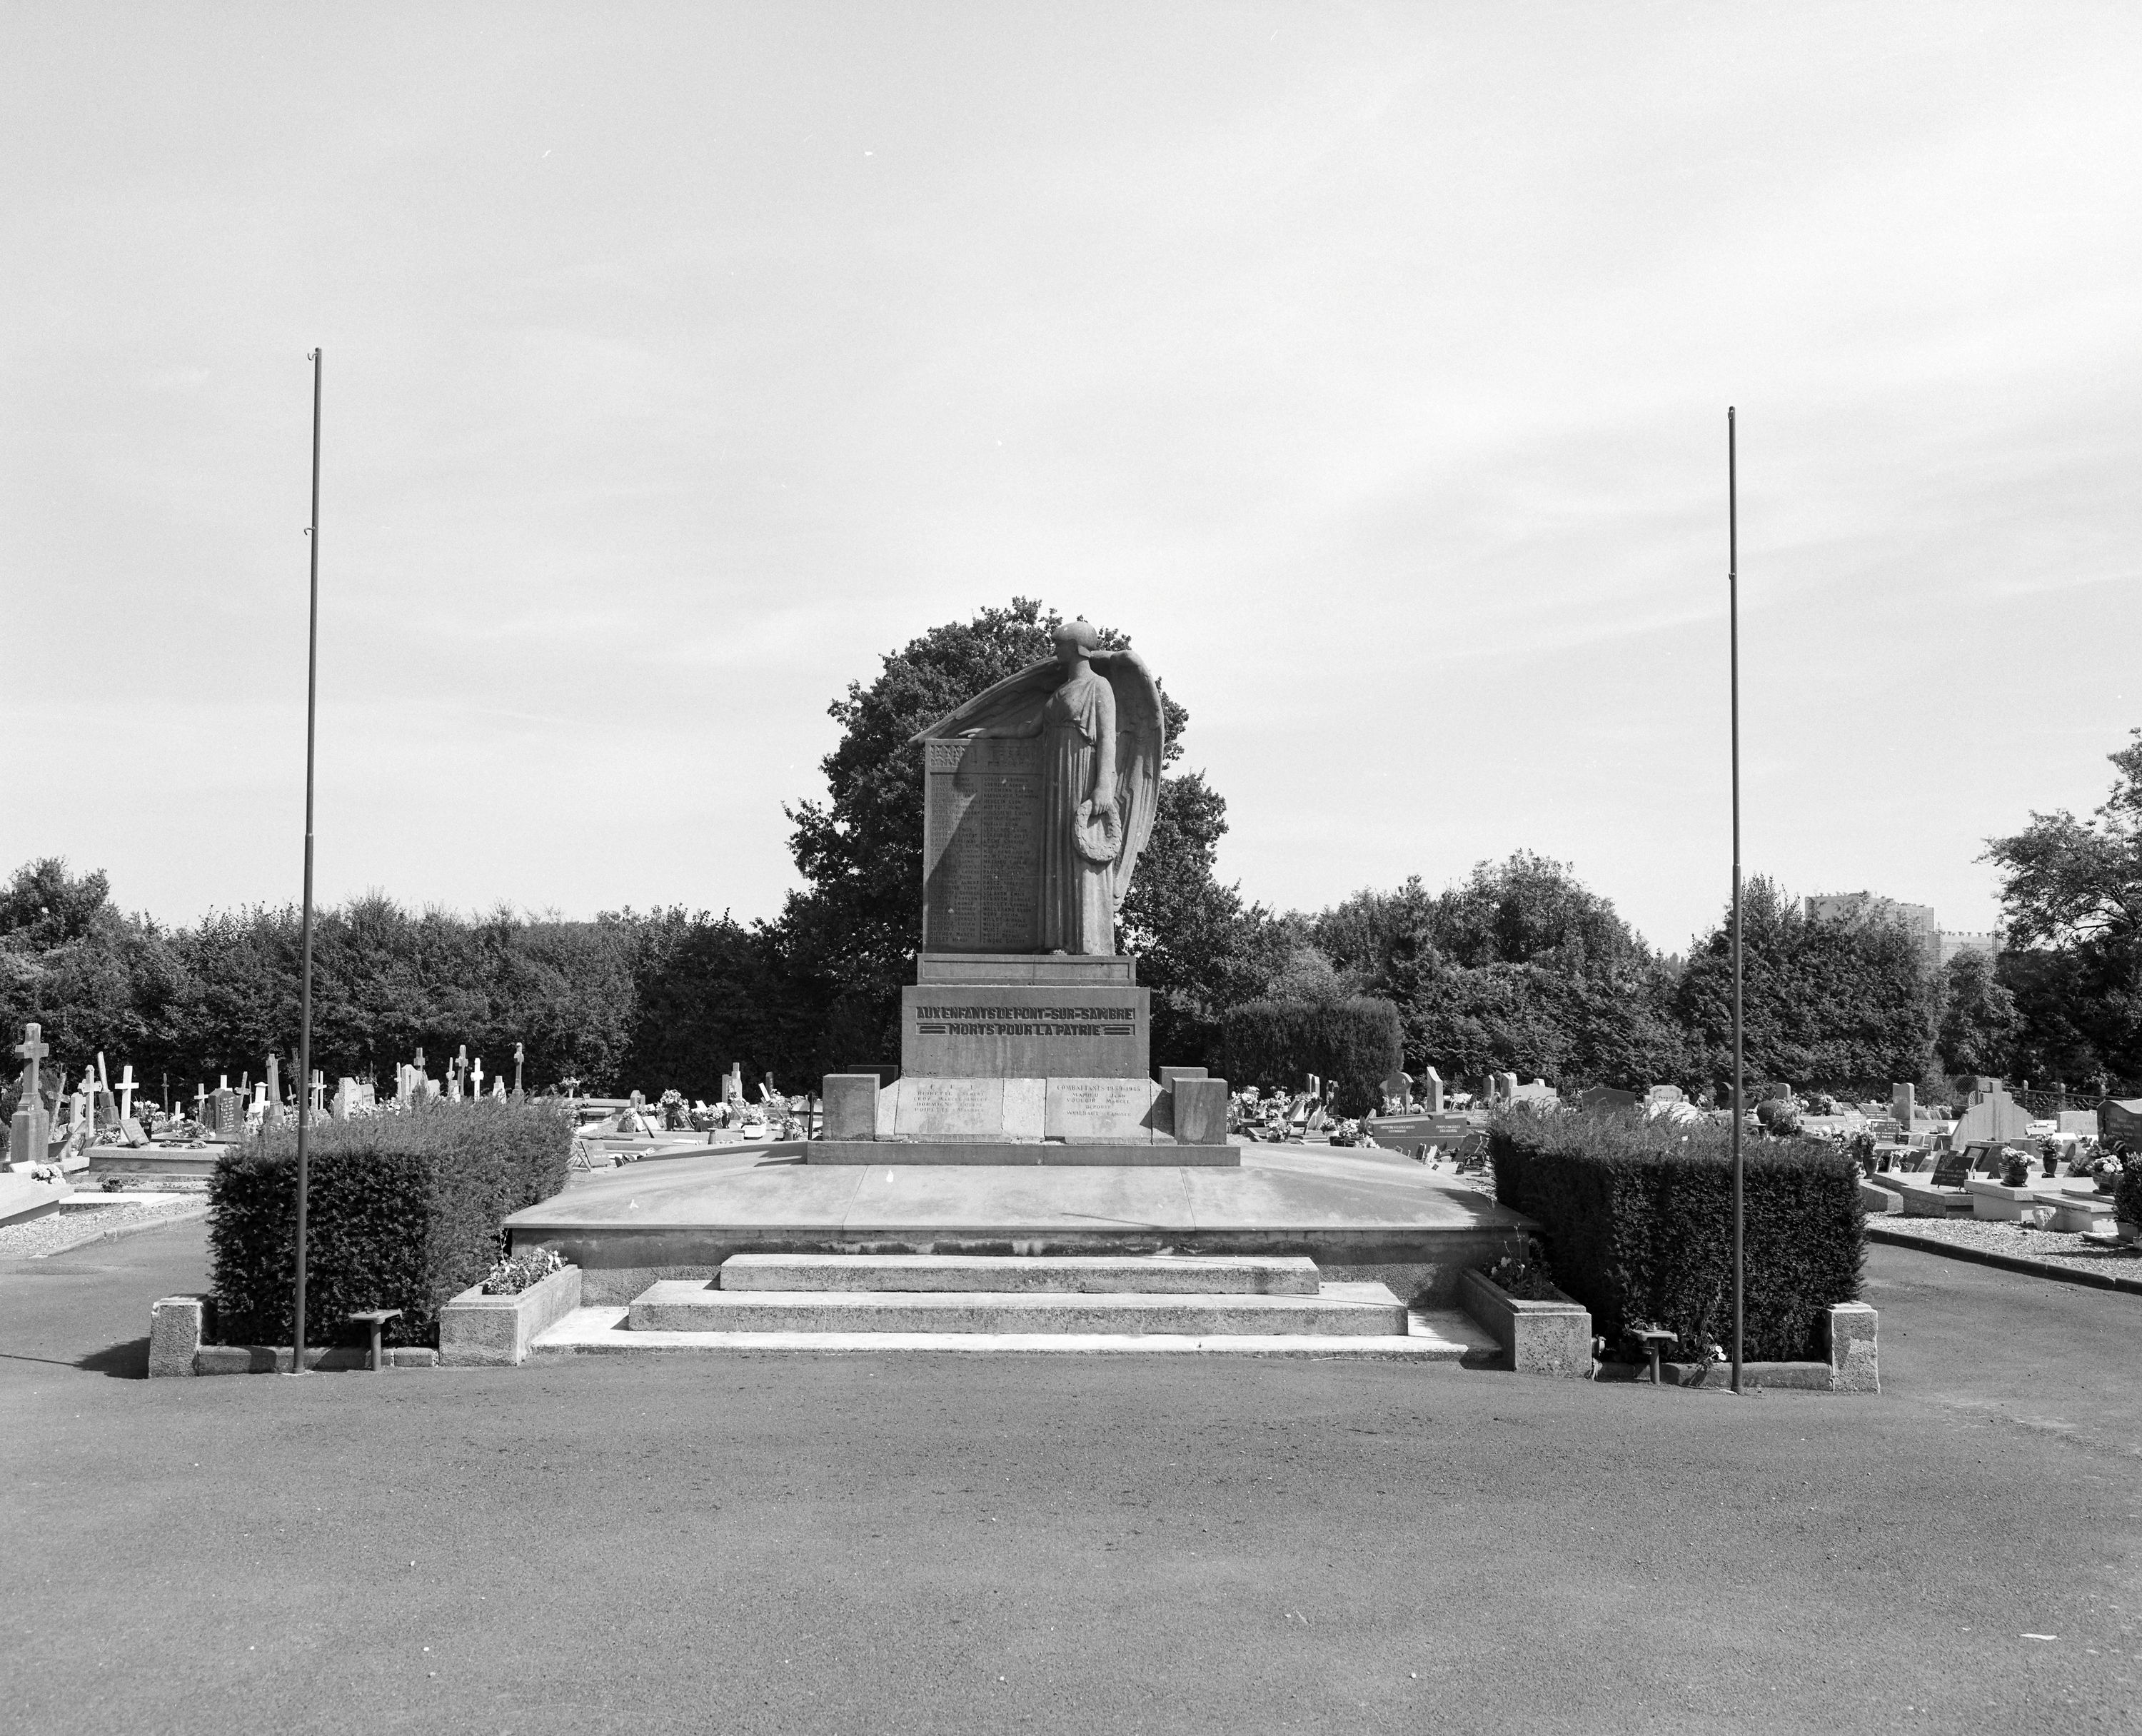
{"x":1338,"y":1310}
{"x":1439,"y":1335}
{"x":1135,"y":1274}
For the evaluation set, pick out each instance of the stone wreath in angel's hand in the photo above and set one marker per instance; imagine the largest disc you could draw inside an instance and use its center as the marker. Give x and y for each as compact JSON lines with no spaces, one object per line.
{"x":1096,"y":831}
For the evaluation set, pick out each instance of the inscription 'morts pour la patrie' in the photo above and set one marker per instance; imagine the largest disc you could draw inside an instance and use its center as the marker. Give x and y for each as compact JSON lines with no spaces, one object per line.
{"x":1025,"y":1020}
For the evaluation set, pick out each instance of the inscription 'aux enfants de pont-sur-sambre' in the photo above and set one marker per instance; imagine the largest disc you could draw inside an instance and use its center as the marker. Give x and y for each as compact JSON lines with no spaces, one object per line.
{"x":1024,"y":1021}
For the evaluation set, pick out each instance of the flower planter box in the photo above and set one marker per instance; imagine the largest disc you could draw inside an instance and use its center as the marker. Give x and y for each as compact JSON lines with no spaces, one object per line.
{"x":1541,"y":1338}
{"x":476,"y":1331}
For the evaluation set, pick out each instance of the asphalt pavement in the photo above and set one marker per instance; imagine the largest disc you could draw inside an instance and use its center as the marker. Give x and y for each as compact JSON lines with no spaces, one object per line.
{"x":876,"y":1543}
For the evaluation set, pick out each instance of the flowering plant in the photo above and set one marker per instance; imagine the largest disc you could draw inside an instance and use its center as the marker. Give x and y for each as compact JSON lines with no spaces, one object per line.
{"x":519,"y":1272}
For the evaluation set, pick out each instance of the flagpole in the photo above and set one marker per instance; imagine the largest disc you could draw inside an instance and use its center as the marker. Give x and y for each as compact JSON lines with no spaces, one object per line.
{"x":1732,"y":614}
{"x":305,"y":966}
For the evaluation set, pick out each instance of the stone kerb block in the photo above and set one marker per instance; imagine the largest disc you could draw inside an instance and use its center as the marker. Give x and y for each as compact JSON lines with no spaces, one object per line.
{"x":851,"y":1102}
{"x":177,"y":1327}
{"x":1201,"y":1111}
{"x":1854,"y":1363}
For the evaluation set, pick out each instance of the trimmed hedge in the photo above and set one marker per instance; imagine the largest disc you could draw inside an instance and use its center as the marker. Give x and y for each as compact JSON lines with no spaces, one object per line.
{"x":2127,"y":1194}
{"x":401,"y":1211}
{"x":1638,"y":1217}
{"x":1353,"y":1044}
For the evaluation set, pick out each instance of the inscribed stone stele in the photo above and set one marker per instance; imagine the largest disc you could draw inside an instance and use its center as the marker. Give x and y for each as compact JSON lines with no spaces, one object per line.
{"x":1101,"y":1111}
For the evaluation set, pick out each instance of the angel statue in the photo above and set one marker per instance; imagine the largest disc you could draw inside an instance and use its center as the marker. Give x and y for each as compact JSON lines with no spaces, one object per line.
{"x":1097,"y":713}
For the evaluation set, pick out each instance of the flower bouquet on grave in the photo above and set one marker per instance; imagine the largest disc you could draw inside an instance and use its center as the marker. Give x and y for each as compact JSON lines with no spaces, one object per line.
{"x":2103,"y":1168}
{"x":2014,"y":1167}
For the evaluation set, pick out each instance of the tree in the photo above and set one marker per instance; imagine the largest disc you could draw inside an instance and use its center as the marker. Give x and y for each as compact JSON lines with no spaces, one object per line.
{"x":1520,"y":968}
{"x":2072,"y":892}
{"x":1978,"y":1018}
{"x":1850,"y":1004}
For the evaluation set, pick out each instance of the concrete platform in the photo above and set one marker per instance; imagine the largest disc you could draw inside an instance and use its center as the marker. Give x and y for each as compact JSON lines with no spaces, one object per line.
{"x":1336,"y":1311}
{"x":23,"y":1199}
{"x":154,"y":1160}
{"x":1162,"y":1275}
{"x":1362,"y":1215}
{"x":1432,"y":1335}
{"x":1020,"y":1154}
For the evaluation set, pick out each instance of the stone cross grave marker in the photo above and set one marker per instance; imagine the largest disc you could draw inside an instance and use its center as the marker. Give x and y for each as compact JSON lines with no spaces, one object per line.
{"x":274,"y":1090}
{"x":127,"y":1088}
{"x":29,"y":1138}
{"x":477,"y":1076}
{"x":517,"y":1054}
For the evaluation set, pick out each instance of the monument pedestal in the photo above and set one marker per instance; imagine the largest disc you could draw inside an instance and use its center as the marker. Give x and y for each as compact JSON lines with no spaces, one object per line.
{"x":1035,"y":1015}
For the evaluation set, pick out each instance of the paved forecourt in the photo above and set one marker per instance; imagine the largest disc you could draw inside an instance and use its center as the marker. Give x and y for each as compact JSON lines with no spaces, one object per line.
{"x":1371,"y":1217}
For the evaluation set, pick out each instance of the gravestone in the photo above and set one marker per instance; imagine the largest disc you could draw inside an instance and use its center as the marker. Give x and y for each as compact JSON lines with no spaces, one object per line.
{"x":476,"y":1075}
{"x":1991,"y":1114}
{"x":518,"y":1053}
{"x":1667,"y":1094}
{"x":226,"y":1113}
{"x":1399,"y":1087}
{"x":1903,"y":1101}
{"x":1431,"y":1091}
{"x":1952,"y":1167}
{"x":126,"y":1089}
{"x":29,"y":1137}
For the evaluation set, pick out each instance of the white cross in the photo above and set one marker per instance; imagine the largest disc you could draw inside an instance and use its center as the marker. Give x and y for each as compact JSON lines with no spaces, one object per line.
{"x":201,"y":1101}
{"x":126,"y":1091}
{"x":479,"y":1076}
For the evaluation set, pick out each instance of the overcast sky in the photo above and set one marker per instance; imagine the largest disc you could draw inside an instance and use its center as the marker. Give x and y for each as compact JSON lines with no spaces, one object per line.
{"x":1368,"y":365}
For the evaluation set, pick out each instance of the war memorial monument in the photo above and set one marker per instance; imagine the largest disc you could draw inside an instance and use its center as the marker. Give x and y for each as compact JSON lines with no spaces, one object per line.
{"x":1027,"y":1172}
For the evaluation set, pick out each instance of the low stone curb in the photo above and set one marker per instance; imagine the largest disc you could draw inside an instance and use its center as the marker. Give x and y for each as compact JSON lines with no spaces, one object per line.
{"x":178,"y":1324}
{"x":2005,"y":1262}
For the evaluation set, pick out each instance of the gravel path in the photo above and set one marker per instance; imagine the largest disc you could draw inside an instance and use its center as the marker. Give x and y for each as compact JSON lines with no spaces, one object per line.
{"x":57,"y":1232}
{"x":2020,"y":1239}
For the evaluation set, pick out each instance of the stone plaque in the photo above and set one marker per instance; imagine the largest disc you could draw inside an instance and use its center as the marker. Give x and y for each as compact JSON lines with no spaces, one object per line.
{"x":1025,"y":1030}
{"x":1101,"y":1111}
{"x":950,"y":1110}
{"x":981,"y":842}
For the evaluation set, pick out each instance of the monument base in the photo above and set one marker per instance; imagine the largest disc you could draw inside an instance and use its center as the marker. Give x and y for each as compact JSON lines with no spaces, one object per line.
{"x":1021,"y":1154}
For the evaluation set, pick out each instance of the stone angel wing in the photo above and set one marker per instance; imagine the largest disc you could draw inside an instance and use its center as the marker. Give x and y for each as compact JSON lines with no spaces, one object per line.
{"x":1014,"y":702}
{"x":1141,"y":745}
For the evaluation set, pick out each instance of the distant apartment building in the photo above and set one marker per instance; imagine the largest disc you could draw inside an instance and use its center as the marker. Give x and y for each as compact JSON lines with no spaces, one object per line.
{"x":1943,"y":944}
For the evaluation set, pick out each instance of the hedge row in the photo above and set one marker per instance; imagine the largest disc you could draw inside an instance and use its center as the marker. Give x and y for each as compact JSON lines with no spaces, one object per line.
{"x":1638,"y":1217}
{"x":1353,"y":1044}
{"x":401,"y":1211}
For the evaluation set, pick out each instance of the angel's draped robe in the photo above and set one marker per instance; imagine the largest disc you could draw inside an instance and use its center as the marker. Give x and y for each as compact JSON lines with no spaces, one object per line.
{"x":1078,"y":899}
